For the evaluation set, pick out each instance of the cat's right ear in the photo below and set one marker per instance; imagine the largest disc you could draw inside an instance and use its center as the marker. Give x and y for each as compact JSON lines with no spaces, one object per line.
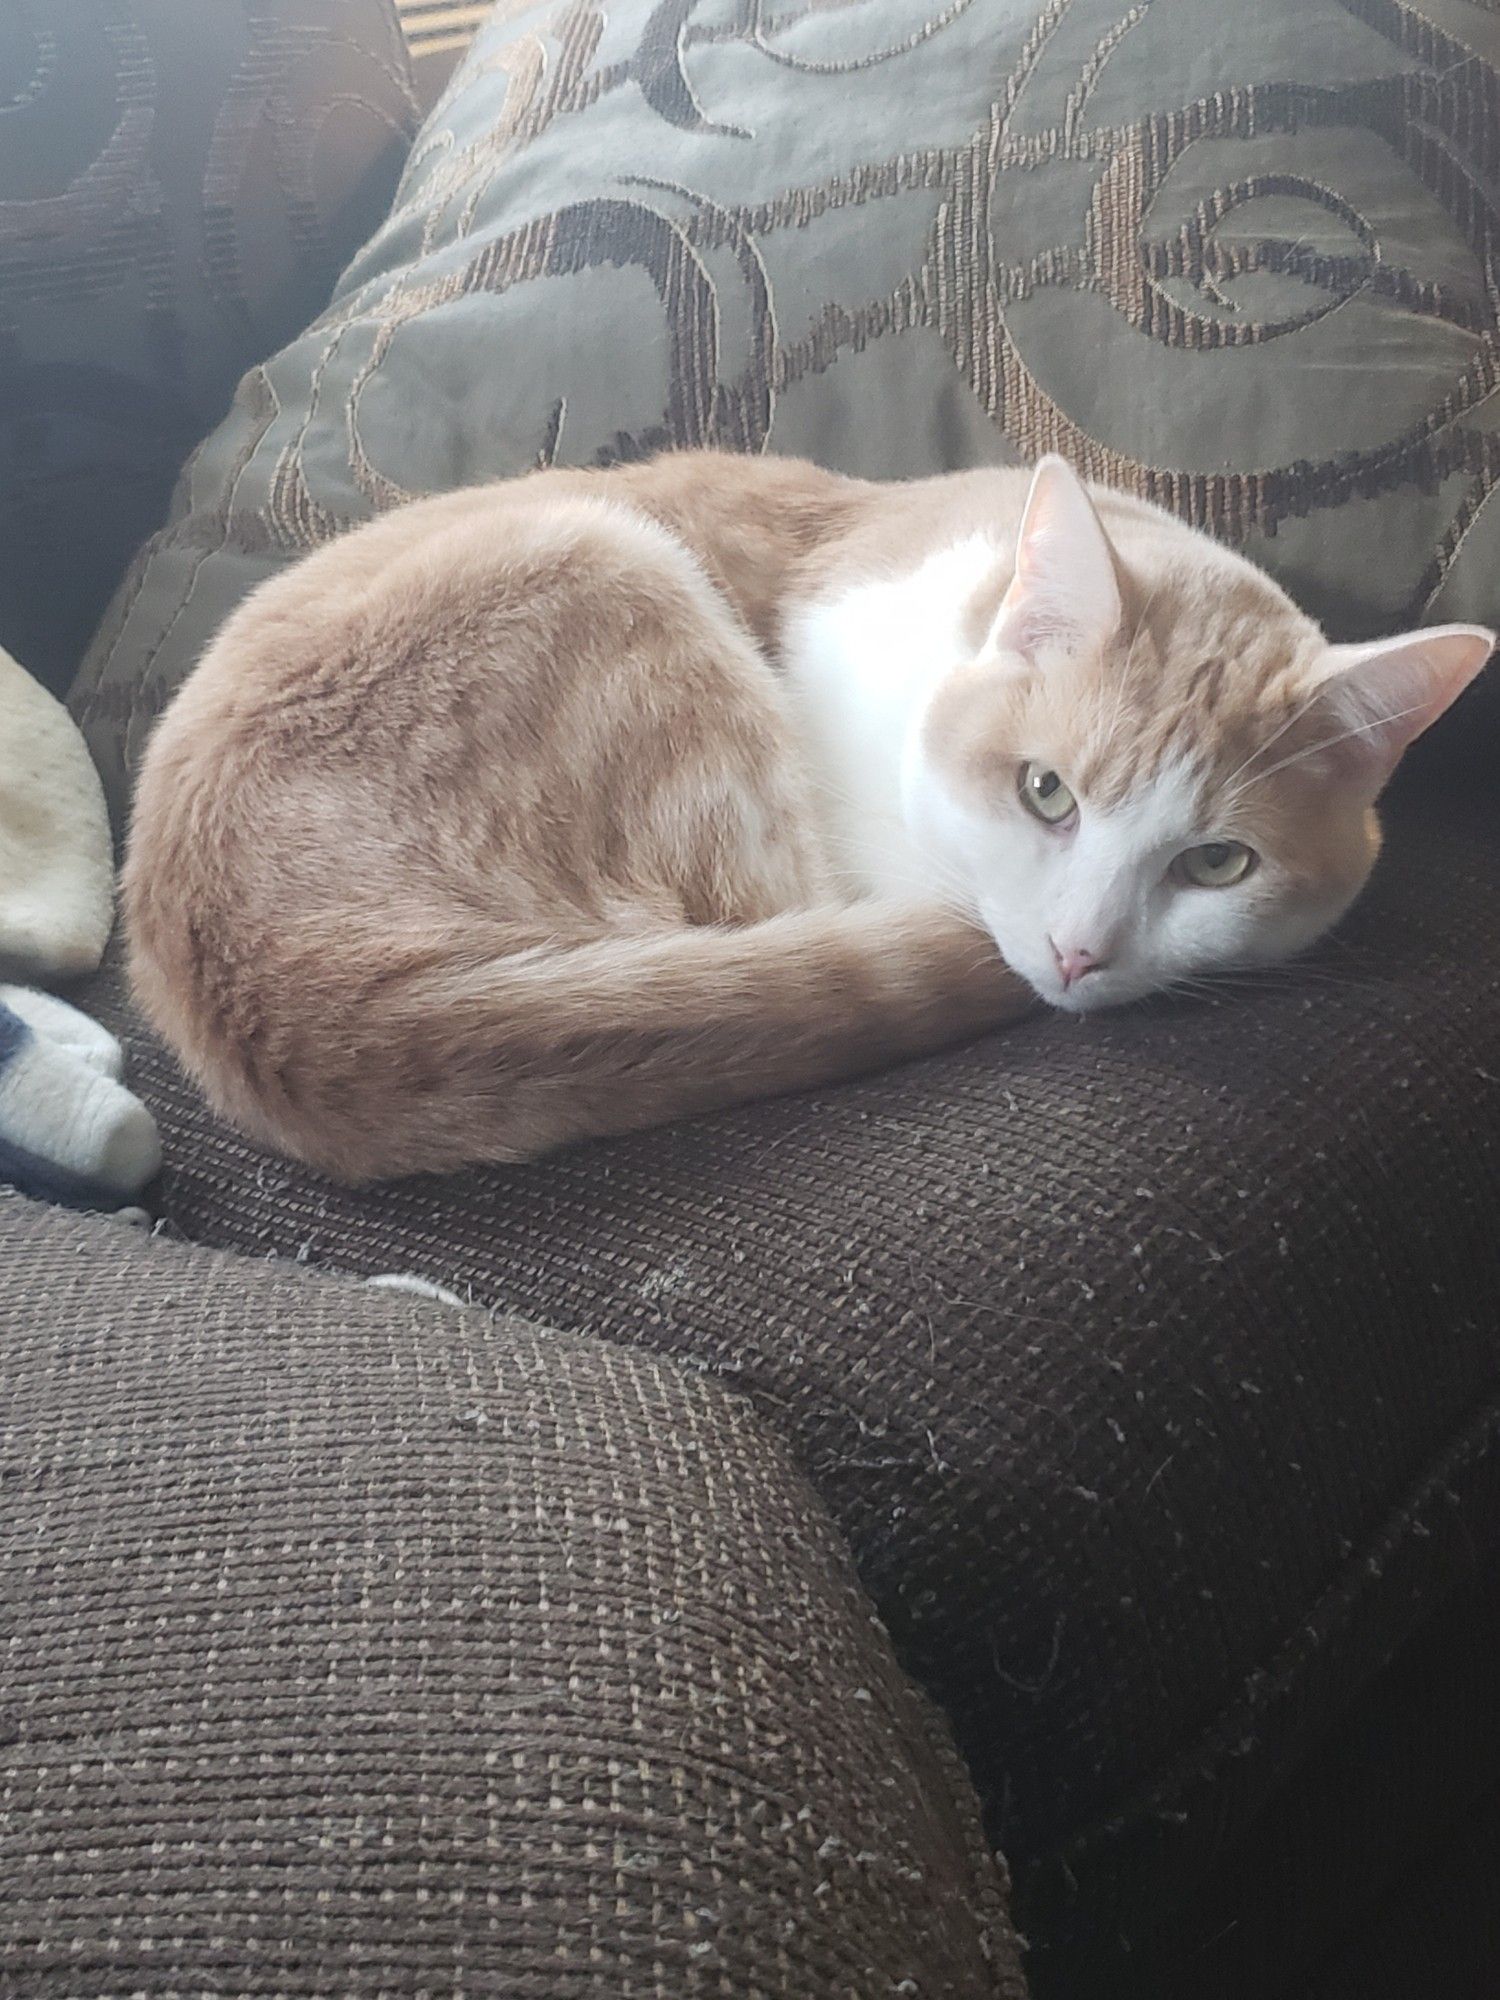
{"x":1379,"y":697}
{"x":1065,"y":595}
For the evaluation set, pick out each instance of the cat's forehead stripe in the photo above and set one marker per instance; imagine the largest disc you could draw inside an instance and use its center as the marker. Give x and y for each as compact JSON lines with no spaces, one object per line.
{"x":1140,"y":752}
{"x":1202,"y":693}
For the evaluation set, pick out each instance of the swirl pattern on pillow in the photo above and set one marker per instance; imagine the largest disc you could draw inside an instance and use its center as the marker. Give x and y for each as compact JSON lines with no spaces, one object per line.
{"x":1238,"y":260}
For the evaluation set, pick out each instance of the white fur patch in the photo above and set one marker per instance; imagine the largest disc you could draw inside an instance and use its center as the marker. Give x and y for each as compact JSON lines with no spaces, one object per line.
{"x":860,"y":668}
{"x":1109,"y":879}
{"x":1115,"y":850}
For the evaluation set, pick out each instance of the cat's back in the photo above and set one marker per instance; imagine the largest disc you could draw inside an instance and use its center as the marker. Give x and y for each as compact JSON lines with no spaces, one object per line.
{"x":369,"y":641}
{"x":458,"y":666}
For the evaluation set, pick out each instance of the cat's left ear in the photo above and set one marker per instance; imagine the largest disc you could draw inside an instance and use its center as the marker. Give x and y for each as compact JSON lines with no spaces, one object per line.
{"x":1381,"y":696}
{"x":1065,"y":594}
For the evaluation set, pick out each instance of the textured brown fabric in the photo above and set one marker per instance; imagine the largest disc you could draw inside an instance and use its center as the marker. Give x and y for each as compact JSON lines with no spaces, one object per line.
{"x":355,"y":1646}
{"x":1149,"y":1364}
{"x":1440,"y":1935}
{"x":1341,"y":1859}
{"x":180,"y":182}
{"x":1234,"y":257}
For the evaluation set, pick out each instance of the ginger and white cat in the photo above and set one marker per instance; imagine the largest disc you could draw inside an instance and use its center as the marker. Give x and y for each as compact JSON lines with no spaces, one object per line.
{"x":589,"y":800}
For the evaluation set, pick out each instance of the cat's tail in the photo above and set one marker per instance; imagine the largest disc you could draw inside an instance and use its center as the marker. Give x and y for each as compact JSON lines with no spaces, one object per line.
{"x":448,"y":1058}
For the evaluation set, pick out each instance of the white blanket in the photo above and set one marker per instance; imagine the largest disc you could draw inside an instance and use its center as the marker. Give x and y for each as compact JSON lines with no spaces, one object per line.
{"x":69,"y":1129}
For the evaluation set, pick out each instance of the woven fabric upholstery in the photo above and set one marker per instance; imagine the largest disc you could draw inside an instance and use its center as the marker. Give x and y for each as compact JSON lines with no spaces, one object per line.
{"x":356,"y":1646}
{"x":1149,"y":1364}
{"x":1442,"y":1934}
{"x":1352,"y":1865}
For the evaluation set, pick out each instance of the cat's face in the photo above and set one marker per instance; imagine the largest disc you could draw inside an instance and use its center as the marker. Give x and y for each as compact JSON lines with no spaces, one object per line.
{"x":1142,"y":781}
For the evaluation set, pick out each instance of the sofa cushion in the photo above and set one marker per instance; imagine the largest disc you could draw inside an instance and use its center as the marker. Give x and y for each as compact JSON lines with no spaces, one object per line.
{"x":1148,"y":1362}
{"x":1356,"y":1861}
{"x":355,"y":1645}
{"x":1234,"y":258}
{"x":179,"y":187}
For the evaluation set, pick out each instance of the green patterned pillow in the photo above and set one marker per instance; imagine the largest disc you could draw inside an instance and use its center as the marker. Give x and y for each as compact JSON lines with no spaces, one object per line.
{"x":1238,"y":258}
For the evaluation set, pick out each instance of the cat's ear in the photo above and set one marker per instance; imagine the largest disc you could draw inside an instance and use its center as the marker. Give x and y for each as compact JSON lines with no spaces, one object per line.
{"x":1381,"y":696}
{"x":1065,"y":594}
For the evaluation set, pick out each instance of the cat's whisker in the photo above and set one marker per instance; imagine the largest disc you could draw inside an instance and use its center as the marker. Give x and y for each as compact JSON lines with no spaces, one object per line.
{"x":1275,"y":737}
{"x":1298,"y":976}
{"x":1122,"y":678}
{"x":1331,"y":742}
{"x":1342,"y":982}
{"x":1143,"y":623}
{"x":1194,"y":989}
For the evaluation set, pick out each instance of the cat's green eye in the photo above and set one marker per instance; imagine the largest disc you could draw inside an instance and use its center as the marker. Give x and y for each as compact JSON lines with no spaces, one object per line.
{"x":1044,"y":794}
{"x":1218,"y":864}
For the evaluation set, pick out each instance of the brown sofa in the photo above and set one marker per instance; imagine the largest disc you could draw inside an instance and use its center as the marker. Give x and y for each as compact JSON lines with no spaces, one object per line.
{"x":360,"y":1646}
{"x":1147,"y":1372}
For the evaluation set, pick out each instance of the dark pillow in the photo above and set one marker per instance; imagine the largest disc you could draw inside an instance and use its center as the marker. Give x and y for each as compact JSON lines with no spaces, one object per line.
{"x":1234,"y":258}
{"x":179,"y":185}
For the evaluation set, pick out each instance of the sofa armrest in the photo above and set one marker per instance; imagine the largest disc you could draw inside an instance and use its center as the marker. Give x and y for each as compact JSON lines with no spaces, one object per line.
{"x":357,"y":1644}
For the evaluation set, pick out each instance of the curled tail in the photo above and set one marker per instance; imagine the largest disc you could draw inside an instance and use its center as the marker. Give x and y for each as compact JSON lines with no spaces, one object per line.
{"x":444,"y":1057}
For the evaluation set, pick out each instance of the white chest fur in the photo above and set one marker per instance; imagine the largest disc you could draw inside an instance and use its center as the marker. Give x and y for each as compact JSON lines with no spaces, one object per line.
{"x":861,"y":667}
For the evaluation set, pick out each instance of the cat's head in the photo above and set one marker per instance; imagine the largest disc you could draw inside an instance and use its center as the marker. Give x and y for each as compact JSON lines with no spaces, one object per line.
{"x":1152,"y":769}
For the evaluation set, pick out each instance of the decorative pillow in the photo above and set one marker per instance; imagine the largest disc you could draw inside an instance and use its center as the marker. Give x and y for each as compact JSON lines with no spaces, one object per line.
{"x":179,"y":185}
{"x":1235,"y":258}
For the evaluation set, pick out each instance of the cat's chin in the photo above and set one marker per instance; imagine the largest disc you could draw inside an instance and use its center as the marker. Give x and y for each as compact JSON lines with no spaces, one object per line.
{"x":1049,"y":989}
{"x":1111,"y":986}
{"x":1093,"y":995}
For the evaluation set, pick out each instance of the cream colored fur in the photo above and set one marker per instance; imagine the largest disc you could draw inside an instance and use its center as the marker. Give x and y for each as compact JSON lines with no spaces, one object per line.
{"x":588,"y":801}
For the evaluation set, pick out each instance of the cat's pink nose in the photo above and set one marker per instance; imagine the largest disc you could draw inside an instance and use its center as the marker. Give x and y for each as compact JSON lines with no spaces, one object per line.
{"x":1072,"y":965}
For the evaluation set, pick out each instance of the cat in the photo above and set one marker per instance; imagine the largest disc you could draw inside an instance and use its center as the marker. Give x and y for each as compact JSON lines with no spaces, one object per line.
{"x":585,"y":801}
